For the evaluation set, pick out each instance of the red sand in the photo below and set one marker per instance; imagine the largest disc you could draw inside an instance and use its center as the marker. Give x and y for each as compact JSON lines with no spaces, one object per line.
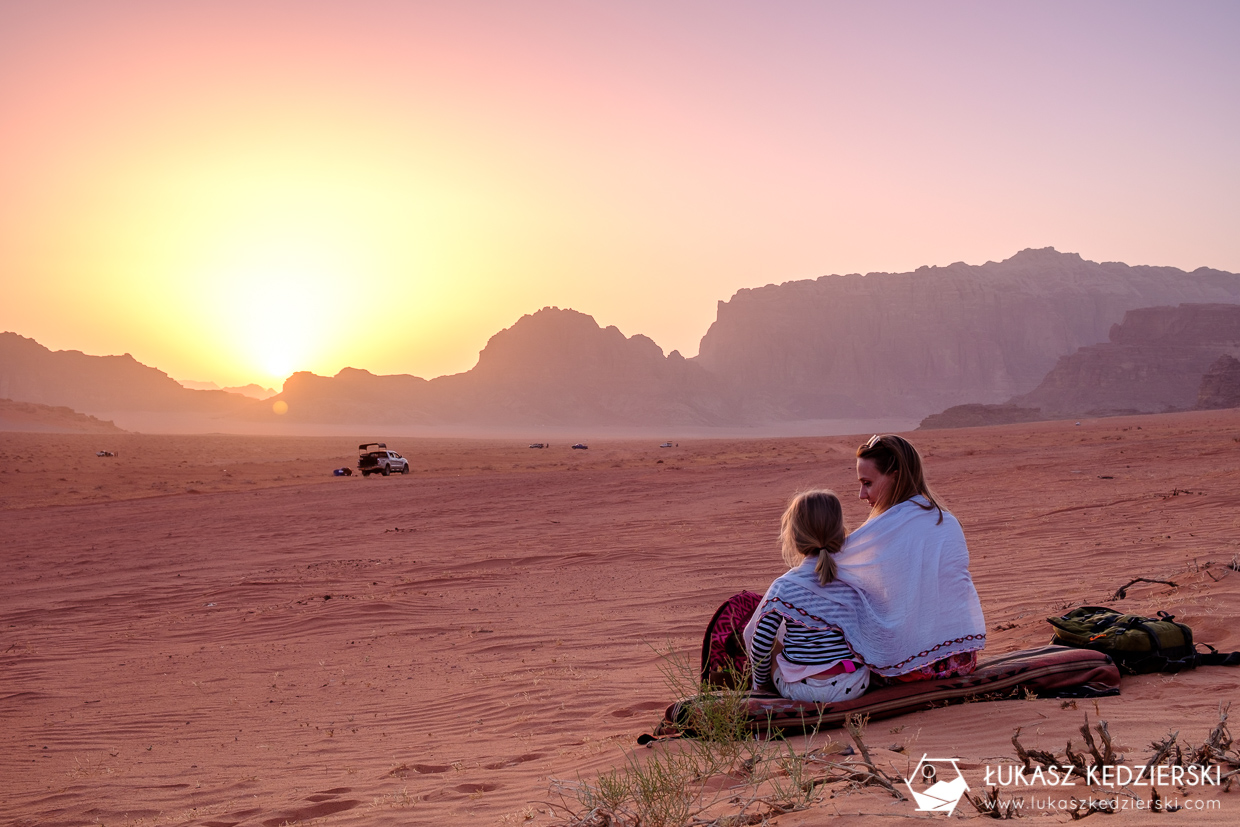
{"x":281,"y":646}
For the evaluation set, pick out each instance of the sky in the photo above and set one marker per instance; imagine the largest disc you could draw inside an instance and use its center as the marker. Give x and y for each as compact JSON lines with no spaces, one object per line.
{"x":233,"y":191}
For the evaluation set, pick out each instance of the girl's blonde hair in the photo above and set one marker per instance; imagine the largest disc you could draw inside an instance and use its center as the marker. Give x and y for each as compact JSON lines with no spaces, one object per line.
{"x":813,"y":524}
{"x":896,"y":457}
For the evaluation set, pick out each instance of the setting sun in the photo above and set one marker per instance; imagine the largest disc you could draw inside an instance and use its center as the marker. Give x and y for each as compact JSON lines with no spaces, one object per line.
{"x":285,"y":303}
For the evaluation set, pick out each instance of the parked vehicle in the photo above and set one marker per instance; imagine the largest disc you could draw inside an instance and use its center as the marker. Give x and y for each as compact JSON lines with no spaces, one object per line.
{"x":537,"y":445}
{"x":666,"y":445}
{"x":580,"y":446}
{"x":375,"y":458}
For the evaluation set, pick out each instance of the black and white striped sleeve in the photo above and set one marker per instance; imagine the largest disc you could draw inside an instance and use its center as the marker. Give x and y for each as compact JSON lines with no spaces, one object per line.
{"x":763,"y":641}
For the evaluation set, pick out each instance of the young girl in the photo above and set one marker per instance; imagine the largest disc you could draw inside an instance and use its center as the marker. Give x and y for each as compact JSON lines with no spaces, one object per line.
{"x":815,"y":663}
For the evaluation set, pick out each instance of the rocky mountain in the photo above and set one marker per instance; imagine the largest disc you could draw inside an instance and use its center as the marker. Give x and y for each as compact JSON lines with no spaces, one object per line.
{"x":552,"y":367}
{"x":1154,"y":362}
{"x":353,"y":395}
{"x":1220,"y":387}
{"x":913,"y":343}
{"x":884,"y":345}
{"x":559,"y":367}
{"x":30,"y":372}
{"x":30,"y":416}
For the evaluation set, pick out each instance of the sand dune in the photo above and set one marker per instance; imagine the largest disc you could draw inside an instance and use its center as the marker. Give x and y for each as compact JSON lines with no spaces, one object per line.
{"x":214,"y":631}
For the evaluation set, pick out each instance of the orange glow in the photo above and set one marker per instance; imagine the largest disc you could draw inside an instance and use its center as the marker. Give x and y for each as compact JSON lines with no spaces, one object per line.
{"x":233,"y":191}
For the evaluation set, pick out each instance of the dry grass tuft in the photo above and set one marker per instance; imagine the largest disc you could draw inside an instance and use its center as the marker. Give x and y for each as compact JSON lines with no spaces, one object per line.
{"x":722,"y":776}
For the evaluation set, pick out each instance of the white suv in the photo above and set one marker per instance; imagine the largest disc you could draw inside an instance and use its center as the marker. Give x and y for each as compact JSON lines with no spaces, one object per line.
{"x":375,"y":458}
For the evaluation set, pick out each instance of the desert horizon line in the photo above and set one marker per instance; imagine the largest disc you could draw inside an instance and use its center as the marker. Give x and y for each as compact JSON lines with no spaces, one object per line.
{"x":198,"y":382}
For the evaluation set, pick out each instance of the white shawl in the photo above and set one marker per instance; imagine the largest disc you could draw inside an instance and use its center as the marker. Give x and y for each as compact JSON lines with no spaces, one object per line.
{"x":902,"y":598}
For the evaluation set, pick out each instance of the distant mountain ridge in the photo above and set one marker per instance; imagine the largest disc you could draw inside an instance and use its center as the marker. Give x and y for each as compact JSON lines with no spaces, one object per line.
{"x":835,"y":347}
{"x":253,"y":390}
{"x":876,"y":346}
{"x":30,"y":372}
{"x":552,"y":367}
{"x":914,"y":343}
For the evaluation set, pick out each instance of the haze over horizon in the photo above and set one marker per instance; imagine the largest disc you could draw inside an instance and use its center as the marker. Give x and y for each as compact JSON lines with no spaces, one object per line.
{"x":234,"y":191}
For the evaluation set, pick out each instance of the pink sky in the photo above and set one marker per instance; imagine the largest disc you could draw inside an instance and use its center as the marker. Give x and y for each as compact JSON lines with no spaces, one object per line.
{"x":234,"y":190}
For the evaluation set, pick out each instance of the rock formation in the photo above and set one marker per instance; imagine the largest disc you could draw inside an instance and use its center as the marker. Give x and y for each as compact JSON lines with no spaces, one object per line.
{"x":30,"y":416}
{"x":559,"y":367}
{"x":29,"y":372}
{"x":553,"y":367}
{"x":1220,"y":387}
{"x":353,"y":395}
{"x":913,"y":343}
{"x":973,"y":415}
{"x":1155,"y":362}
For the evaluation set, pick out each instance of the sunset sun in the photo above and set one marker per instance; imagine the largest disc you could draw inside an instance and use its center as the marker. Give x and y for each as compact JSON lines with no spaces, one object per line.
{"x":268,"y":257}
{"x":286,"y":304}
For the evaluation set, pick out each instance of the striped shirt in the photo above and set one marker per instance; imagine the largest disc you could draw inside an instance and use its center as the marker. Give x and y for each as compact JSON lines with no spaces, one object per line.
{"x":802,"y":645}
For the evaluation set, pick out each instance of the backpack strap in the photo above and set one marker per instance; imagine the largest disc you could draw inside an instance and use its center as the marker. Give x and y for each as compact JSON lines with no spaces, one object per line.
{"x":1216,"y":658}
{"x":1141,"y":624}
{"x":1158,"y":660}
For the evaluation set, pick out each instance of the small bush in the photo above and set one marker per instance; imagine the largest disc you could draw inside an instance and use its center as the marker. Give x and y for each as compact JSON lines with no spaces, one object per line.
{"x":721,"y":775}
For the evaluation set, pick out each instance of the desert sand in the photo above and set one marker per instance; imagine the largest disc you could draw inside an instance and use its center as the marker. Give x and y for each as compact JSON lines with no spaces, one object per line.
{"x":215,"y":631}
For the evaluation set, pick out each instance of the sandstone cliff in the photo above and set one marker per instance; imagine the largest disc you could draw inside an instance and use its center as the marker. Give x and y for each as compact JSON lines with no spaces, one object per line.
{"x":913,"y":343}
{"x":1220,"y":387}
{"x":1155,"y":361}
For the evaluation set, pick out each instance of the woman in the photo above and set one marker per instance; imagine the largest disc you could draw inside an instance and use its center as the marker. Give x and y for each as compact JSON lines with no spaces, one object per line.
{"x":910,"y":563}
{"x":815,"y":662}
{"x":902,"y":594}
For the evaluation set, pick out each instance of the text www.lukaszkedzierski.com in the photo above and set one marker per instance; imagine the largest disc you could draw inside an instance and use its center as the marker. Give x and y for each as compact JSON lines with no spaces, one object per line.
{"x":1050,"y":803}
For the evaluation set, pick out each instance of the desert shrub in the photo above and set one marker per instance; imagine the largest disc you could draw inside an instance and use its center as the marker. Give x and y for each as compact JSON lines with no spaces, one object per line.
{"x":674,"y":783}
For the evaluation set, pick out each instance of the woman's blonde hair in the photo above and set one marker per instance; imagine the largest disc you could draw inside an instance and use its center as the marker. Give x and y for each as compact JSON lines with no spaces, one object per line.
{"x":813,"y":524}
{"x":895,"y":457}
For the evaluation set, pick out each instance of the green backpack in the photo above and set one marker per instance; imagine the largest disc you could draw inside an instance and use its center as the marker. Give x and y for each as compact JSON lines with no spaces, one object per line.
{"x":1136,"y":644}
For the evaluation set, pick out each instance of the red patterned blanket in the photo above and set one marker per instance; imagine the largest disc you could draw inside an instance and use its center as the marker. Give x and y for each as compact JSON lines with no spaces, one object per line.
{"x":1049,"y":671}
